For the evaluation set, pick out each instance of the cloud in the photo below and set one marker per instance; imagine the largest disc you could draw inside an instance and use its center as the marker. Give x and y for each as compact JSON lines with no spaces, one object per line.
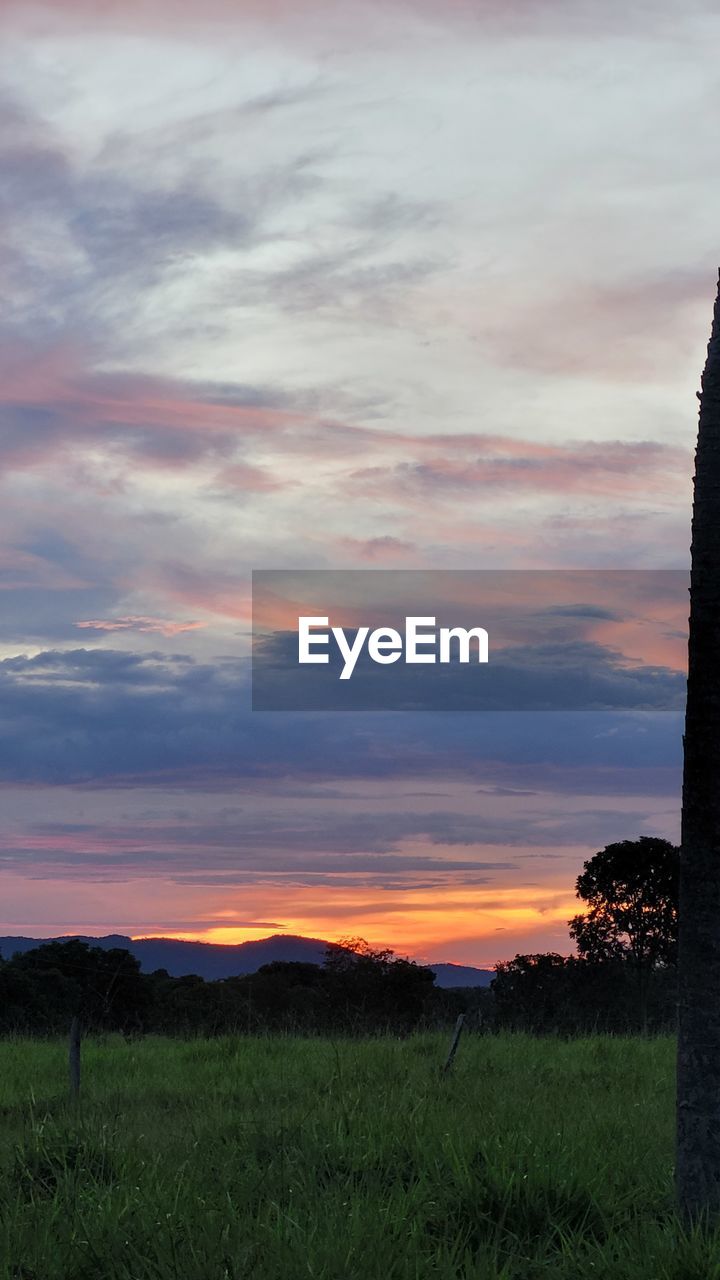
{"x":119,"y":225}
{"x":354,"y":280}
{"x":97,"y":714}
{"x":571,"y":675}
{"x":308,"y":845}
{"x":629,"y":330}
{"x":52,"y":404}
{"x":519,"y":19}
{"x":159,"y":626}
{"x":381,"y":548}
{"x":612,"y":469}
{"x":22,"y":569}
{"x":244,"y":477}
{"x":583,"y":611}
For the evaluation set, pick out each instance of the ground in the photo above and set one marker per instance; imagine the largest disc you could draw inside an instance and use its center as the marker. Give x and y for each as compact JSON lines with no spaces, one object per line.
{"x":280,"y":1158}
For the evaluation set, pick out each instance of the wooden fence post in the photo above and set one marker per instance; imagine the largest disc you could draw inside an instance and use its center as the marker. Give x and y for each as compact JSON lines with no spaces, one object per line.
{"x":454,"y":1043}
{"x":74,"y":1059}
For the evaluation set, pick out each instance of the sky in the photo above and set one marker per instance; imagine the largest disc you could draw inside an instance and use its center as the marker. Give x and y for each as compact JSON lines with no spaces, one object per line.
{"x":333,"y":286}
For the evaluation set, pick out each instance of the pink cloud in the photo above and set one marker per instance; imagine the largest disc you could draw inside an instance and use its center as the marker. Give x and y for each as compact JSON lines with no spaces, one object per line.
{"x":172,"y":424}
{"x":379,"y":549}
{"x":631,"y":331}
{"x":247,"y":478}
{"x":159,"y":626}
{"x":128,"y":411}
{"x":501,"y":17}
{"x":221,"y":593}
{"x":612,"y":469}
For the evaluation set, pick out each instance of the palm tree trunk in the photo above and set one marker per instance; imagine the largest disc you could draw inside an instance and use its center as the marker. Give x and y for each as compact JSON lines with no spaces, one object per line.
{"x":698,"y":1115}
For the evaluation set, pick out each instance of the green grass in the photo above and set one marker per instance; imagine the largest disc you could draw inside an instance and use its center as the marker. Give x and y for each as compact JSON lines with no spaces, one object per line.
{"x":276,"y":1159}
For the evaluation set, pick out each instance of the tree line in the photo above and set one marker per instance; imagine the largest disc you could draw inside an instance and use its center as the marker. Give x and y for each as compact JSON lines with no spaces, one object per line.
{"x":623,"y":977}
{"x":355,"y":989}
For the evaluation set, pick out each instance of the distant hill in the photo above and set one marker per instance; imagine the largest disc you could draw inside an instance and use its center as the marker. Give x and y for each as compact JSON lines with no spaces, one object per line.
{"x":214,"y":960}
{"x":461,"y":975}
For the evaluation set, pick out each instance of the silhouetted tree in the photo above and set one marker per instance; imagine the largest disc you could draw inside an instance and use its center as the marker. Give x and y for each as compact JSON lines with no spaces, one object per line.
{"x":101,"y":987}
{"x":698,"y":1111}
{"x":631,"y":888}
{"x":375,"y":987}
{"x":530,"y":992}
{"x":358,"y":989}
{"x":567,"y":994}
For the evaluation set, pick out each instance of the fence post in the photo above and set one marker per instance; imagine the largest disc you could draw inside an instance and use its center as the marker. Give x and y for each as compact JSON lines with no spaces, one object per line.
{"x":74,"y":1059}
{"x":454,"y":1043}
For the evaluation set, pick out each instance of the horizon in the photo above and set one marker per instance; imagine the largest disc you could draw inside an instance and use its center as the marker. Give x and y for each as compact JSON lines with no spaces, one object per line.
{"x":301,"y":290}
{"x":265,"y":938}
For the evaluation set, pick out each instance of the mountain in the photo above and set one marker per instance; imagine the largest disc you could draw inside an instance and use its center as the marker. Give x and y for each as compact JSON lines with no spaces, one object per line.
{"x":214,"y":960}
{"x":461,"y":975}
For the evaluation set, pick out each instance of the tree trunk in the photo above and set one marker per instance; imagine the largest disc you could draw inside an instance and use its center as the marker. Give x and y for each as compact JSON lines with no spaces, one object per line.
{"x":698,"y":1114}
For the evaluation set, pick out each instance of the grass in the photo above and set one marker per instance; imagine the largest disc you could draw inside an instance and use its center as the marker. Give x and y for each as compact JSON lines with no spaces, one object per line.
{"x":276,"y":1159}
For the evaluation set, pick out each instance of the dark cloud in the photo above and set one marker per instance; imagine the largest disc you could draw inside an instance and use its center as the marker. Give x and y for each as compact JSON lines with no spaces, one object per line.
{"x":117,"y":717}
{"x":546,"y":676}
{"x":582,"y":611}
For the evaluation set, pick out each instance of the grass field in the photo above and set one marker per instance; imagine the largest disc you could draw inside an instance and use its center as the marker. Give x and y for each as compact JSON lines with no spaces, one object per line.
{"x":275,"y":1159}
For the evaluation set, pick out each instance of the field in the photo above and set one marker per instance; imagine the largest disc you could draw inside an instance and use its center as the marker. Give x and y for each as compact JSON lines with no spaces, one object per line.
{"x":276,"y":1159}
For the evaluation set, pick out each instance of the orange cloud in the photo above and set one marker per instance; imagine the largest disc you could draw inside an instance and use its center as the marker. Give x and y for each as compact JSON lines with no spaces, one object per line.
{"x":495,"y":922}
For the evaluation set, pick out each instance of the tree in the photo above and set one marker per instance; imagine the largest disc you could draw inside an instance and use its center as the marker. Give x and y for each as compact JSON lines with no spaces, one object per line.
{"x":376,"y":988}
{"x":529,"y":991}
{"x":698,"y":1100}
{"x":631,"y":888}
{"x":569,"y":995}
{"x":104,"y":987}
